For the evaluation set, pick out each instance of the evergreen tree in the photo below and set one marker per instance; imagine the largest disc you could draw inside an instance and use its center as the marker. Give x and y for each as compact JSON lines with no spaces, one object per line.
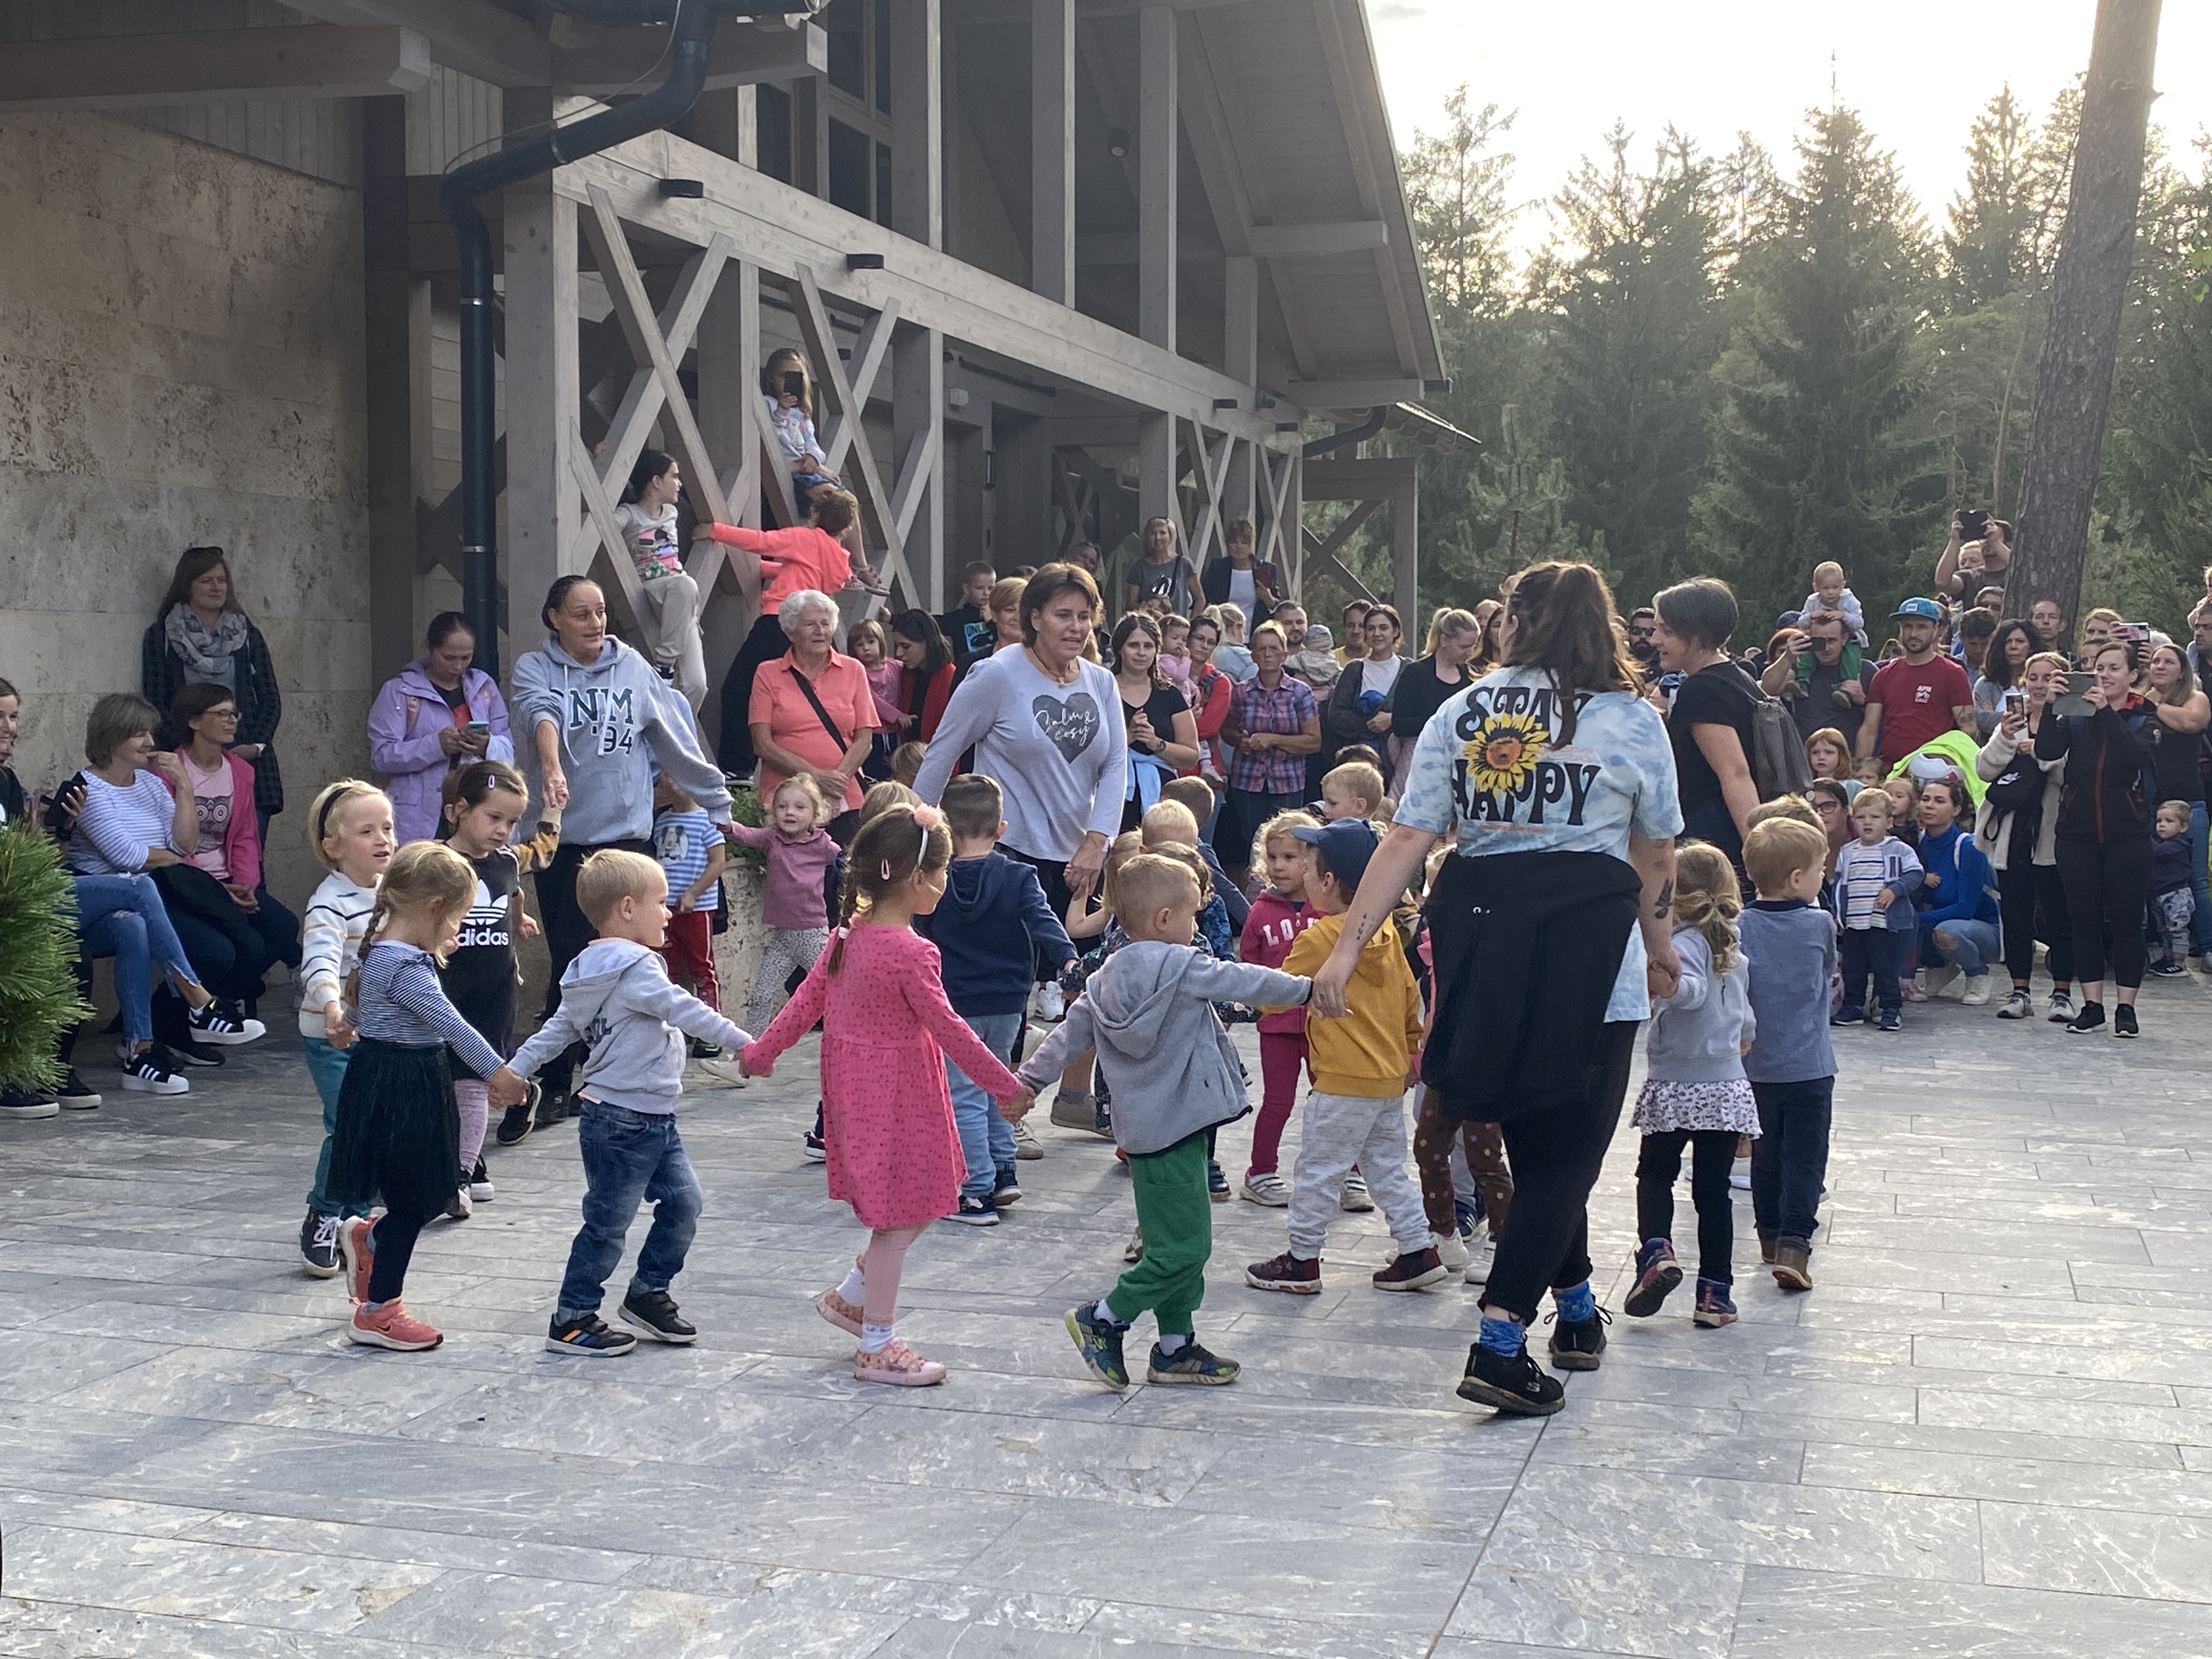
{"x":2004,"y":223}
{"x":1816,"y":456}
{"x":37,"y":954}
{"x":1455,"y":188}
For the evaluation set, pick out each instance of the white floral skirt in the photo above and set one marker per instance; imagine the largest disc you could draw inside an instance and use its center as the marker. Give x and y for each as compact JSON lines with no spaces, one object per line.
{"x":1661,"y":1108}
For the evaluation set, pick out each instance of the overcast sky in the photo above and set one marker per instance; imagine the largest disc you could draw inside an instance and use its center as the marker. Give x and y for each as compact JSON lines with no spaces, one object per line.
{"x":1918,"y":69}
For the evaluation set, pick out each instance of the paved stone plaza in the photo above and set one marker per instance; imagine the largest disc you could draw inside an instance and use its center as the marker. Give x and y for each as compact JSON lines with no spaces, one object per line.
{"x":1989,"y":1431}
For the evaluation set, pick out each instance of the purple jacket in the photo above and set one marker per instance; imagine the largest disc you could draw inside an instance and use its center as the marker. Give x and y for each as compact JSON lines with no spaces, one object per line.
{"x":403,"y":723}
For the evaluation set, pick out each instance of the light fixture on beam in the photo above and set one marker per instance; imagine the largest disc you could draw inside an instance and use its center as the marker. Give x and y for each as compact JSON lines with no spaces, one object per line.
{"x":1117,"y":142}
{"x":689,"y":189}
{"x":864,"y":262}
{"x":1220,"y":403}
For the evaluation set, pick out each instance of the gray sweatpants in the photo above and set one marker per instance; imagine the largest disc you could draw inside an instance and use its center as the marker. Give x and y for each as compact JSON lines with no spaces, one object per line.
{"x":1336,"y":1132}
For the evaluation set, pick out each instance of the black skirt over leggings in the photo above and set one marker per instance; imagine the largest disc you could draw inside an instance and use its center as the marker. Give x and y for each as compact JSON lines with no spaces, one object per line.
{"x":2106,"y":883}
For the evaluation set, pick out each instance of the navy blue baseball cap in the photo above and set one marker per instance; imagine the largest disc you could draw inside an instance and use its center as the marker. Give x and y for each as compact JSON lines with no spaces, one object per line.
{"x":1347,"y":845}
{"x":1926,"y":610}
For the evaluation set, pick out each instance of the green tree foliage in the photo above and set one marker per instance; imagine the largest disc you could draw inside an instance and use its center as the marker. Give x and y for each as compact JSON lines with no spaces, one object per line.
{"x":38,"y":951}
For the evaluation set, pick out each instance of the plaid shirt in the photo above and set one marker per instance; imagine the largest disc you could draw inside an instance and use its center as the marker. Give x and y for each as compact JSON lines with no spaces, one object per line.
{"x":1286,"y":710}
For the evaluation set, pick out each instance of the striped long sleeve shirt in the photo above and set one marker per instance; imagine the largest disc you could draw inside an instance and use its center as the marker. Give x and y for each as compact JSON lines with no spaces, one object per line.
{"x":330,"y":945}
{"x":402,"y":1002}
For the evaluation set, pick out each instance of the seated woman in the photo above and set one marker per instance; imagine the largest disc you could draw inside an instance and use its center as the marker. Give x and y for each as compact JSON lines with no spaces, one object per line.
{"x":129,"y":827}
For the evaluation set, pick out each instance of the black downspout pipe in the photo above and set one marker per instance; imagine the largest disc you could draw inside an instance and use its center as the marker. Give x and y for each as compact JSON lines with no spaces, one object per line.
{"x":665,"y":104}
{"x":1356,"y":434}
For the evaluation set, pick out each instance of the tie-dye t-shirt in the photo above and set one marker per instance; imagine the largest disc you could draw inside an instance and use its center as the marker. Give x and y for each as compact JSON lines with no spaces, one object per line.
{"x":1489,"y":770}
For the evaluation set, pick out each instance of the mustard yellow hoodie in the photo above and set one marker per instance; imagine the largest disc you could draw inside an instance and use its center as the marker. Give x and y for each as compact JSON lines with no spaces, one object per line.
{"x":1369,"y":1052}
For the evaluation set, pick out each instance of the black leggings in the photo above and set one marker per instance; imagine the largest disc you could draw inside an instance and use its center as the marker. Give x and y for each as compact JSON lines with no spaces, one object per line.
{"x":1659,"y":1165}
{"x":394,"y":1240}
{"x":2106,"y":884}
{"x":1556,"y":1155}
{"x":568,"y":931}
{"x":2032,"y":901}
{"x":765,"y":643}
{"x":1052,"y":876}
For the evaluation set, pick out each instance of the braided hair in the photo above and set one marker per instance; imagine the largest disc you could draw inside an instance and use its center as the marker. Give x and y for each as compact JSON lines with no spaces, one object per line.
{"x":892,"y":848}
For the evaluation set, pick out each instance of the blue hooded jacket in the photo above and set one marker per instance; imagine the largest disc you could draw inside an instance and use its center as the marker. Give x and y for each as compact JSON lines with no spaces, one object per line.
{"x":989,"y":928}
{"x":1964,"y":880}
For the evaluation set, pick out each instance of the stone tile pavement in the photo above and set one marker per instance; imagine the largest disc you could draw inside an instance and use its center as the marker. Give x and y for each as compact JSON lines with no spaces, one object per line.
{"x":1988,"y":1431}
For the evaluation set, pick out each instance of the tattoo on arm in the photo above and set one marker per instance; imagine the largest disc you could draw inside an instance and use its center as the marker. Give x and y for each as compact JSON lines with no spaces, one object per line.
{"x":1665,"y":903}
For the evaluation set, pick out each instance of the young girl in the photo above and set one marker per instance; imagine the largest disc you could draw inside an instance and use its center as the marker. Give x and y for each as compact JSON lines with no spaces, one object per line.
{"x":1828,"y":753}
{"x":887,"y":1029}
{"x":396,"y":1126}
{"x":1903,"y":792}
{"x":349,"y":827}
{"x":1695,"y":1094}
{"x":484,"y":802}
{"x":800,"y":854}
{"x":667,"y":597}
{"x":868,"y":644}
{"x":1279,"y":915}
{"x":789,"y":394}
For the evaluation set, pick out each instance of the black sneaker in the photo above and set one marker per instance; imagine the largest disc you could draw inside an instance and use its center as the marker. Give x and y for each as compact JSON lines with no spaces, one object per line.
{"x":1577,"y":1343}
{"x":1216,"y":1184}
{"x":975,"y":1213}
{"x":514,"y":1125}
{"x":480,"y":1186}
{"x":2092,"y":1015}
{"x":652,"y":1315}
{"x":702,"y":1049}
{"x":1008,"y":1191}
{"x":1191,"y":1363}
{"x":1510,"y":1382}
{"x":590,"y":1335}
{"x":1657,"y":1274}
{"x":223,"y":1024}
{"x":553,"y":1105}
{"x":21,"y":1100}
{"x":2168,"y":969}
{"x":76,"y":1094}
{"x":318,"y":1245}
{"x":1099,"y":1341}
{"x":144,"y":1073}
{"x":2123,"y":1021}
{"x":814,"y":1146}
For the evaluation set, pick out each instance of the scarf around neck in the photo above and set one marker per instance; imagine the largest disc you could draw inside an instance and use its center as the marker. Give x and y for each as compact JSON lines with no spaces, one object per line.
{"x":202,"y":651}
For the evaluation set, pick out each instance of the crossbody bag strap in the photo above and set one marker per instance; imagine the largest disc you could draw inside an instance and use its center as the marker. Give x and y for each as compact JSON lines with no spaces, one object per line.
{"x":828,"y":725}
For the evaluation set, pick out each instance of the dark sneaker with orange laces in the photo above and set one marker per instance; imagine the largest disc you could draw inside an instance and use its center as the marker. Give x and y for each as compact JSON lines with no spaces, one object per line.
{"x":1299,"y":1275}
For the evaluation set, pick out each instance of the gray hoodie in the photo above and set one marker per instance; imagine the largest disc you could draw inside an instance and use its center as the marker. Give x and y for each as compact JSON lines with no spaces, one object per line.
{"x":619,"y":723}
{"x":617,"y":1000}
{"x":1149,"y":1011}
{"x":1699,"y":1033}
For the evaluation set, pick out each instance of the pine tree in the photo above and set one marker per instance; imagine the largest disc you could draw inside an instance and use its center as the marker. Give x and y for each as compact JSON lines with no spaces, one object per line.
{"x":37,"y":954}
{"x":1816,"y":456}
{"x":1455,"y":187}
{"x":2004,"y":222}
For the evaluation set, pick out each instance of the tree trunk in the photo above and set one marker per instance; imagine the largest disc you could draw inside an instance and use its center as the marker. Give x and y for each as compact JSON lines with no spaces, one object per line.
{"x":2088,"y":289}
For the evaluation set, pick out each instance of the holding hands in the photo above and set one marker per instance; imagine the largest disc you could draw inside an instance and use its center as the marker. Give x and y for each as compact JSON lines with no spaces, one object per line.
{"x":506,"y":1087}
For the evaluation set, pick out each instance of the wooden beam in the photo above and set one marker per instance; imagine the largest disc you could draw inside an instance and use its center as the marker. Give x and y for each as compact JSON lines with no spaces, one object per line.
{"x":137,"y":71}
{"x":1316,"y":241}
{"x":1377,"y":476}
{"x":918,"y":503}
{"x":475,"y":37}
{"x":1353,"y":394}
{"x":629,"y":60}
{"x":729,"y":352}
{"x":1159,"y":166}
{"x":1052,"y":149}
{"x":917,"y":75}
{"x":867,"y":361}
{"x":875,"y":500}
{"x":542,"y":388}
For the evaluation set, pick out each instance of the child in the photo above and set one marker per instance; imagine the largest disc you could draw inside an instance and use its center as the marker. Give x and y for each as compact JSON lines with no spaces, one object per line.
{"x":396,"y":1132}
{"x":886,"y":1033}
{"x":484,"y":802}
{"x":1076,"y":1104}
{"x":667,"y":596}
{"x":906,"y":763}
{"x":1149,"y":1009}
{"x":868,"y":644}
{"x":691,"y":851}
{"x":1831,"y":594}
{"x":1875,"y":877}
{"x":1790,"y":943}
{"x":617,"y":1000}
{"x":1362,"y":1066}
{"x":991,"y":929}
{"x":788,"y":392}
{"x":800,"y":854}
{"x":1170,"y":824}
{"x":1866,"y":772}
{"x":1279,"y":915}
{"x":1352,"y":790}
{"x":1196,"y":796}
{"x":1314,"y":662}
{"x":1694,"y":1093}
{"x":1173,"y":661}
{"x":2171,"y":901}
{"x":350,"y":826}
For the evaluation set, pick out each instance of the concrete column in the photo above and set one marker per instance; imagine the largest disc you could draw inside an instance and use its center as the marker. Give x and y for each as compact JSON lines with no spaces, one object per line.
{"x":918,"y":122}
{"x":917,"y":409}
{"x":1156,"y":469}
{"x":1158,"y":167}
{"x":394,"y":479}
{"x":1052,"y":149}
{"x":542,"y":388}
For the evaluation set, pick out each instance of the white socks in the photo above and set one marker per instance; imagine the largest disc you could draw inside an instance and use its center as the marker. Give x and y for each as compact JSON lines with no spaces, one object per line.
{"x":854,"y":1290}
{"x":874,"y":1339}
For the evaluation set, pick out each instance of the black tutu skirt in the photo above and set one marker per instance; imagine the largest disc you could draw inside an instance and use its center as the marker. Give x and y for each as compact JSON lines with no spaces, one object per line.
{"x":397,"y":1132}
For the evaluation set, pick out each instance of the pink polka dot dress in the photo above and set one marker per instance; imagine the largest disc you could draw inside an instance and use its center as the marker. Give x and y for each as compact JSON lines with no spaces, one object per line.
{"x":887,"y":1116}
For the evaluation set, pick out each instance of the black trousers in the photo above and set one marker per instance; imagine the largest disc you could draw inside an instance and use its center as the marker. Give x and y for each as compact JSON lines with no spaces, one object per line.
{"x":1556,"y":1156}
{"x":1052,"y":876}
{"x":768,"y":641}
{"x":1659,"y":1165}
{"x":2032,"y":906}
{"x":2106,"y":882}
{"x":1877,"y":951}
{"x":568,"y":931}
{"x":1789,"y":1159}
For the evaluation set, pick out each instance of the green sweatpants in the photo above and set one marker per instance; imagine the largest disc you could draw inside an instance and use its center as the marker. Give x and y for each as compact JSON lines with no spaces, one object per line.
{"x":1176,"y":1213}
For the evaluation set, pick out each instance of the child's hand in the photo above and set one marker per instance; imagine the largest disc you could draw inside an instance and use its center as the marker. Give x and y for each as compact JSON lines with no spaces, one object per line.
{"x":337,"y":1030}
{"x":1930,"y":880}
{"x":1016,"y":1109}
{"x":505,"y":1088}
{"x":530,"y":928}
{"x":749,"y":1067}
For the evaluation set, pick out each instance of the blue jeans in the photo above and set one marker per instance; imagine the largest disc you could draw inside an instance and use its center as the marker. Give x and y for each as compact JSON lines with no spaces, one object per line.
{"x":1973,"y":948}
{"x":986,"y":1140}
{"x":629,"y":1158}
{"x":326,"y":1064}
{"x":2200,"y":833}
{"x":124,"y":917}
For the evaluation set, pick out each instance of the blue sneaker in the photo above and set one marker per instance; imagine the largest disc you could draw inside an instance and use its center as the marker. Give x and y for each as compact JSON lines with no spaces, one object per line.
{"x":1464,"y":1216}
{"x":1099,"y":1341}
{"x":1657,"y":1274}
{"x":1191,"y":1363}
{"x":1848,"y":1015}
{"x":1892,"y":1021}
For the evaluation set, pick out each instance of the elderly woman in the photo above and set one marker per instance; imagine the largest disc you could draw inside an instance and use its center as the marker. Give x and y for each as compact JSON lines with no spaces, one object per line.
{"x":812,"y":709}
{"x":433,"y":716}
{"x":1714,"y":708}
{"x":202,"y":634}
{"x":1551,"y":929}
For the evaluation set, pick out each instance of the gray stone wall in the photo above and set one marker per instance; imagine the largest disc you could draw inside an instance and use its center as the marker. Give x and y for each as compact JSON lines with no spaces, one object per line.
{"x":180,"y":362}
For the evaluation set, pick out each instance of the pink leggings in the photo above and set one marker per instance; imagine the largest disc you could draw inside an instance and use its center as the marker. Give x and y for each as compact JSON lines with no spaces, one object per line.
{"x":472,"y":1101}
{"x":881,"y":1264}
{"x":1281,"y":1054}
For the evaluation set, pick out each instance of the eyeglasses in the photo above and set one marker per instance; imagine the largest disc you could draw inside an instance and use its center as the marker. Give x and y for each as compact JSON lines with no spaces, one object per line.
{"x":230,"y":714}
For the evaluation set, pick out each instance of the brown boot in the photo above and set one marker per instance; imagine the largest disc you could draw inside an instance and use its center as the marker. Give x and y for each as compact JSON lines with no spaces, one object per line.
{"x":1793,"y":1265}
{"x":1767,"y":1247}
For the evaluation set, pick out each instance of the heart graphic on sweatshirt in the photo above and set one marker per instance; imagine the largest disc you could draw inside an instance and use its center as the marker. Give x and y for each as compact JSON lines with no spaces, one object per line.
{"x":1071,"y":724}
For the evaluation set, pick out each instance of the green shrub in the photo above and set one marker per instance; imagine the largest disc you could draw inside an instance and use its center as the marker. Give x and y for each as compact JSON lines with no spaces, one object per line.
{"x":38,"y":999}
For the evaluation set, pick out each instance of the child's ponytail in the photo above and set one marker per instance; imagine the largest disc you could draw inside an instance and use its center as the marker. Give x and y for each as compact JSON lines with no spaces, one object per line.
{"x":890,"y":849}
{"x":1707,"y":897}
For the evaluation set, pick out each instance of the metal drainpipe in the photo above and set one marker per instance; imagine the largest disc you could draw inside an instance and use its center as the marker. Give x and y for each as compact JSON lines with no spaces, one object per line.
{"x":1358,"y":435}
{"x":668,"y":102}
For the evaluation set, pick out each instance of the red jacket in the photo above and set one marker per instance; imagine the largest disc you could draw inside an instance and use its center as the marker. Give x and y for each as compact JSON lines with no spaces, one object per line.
{"x":1270,"y":932}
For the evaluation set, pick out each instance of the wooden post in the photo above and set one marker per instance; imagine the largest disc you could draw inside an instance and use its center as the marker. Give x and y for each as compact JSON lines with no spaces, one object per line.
{"x":1052,"y":149}
{"x":1405,"y":557}
{"x":388,"y":290}
{"x":541,"y":392}
{"x":1159,"y":158}
{"x":918,"y":122}
{"x":918,"y":444}
{"x":1240,"y":351}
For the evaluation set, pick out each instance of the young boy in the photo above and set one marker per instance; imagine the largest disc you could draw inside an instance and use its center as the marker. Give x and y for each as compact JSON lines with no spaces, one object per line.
{"x":1149,"y":1011}
{"x":1362,"y":1066}
{"x":1876,"y":876}
{"x":1789,"y":945}
{"x":2172,"y":902}
{"x":991,"y":928}
{"x":616,"y":999}
{"x":1352,"y":790}
{"x":1169,"y":823}
{"x":691,"y":851}
{"x":1196,"y":796}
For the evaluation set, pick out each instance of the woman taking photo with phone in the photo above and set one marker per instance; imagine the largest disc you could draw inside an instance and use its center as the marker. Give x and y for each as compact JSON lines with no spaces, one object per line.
{"x":435,"y":715}
{"x":2017,"y":831}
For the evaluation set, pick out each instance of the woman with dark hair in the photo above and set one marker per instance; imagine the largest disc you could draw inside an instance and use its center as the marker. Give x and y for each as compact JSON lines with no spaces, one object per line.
{"x":201,"y":633}
{"x":1714,"y":707}
{"x":1237,"y":577}
{"x":433,"y":717}
{"x":925,"y":662}
{"x":2003,"y":661}
{"x":1550,"y":928}
{"x":1210,"y":708}
{"x":1163,"y":732}
{"x":1357,"y":710}
{"x":667,"y":597}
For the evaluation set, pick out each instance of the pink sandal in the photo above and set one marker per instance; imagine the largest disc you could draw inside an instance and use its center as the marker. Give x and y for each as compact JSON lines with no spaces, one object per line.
{"x":839,"y":1312}
{"x":896,"y":1364}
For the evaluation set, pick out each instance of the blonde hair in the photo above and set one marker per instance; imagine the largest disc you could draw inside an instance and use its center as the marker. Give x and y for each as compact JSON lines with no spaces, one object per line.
{"x":332,"y":799}
{"x":1827,"y":568}
{"x":1451,"y":619}
{"x":2052,"y":660}
{"x":1279,"y":828}
{"x":422,"y":876}
{"x":881,"y":798}
{"x":1708,"y":898}
{"x":805,"y":784}
{"x":1360,"y":781}
{"x":900,"y":842}
{"x":1006,"y":593}
{"x":1169,"y":822}
{"x":1777,"y":849}
{"x":906,"y":761}
{"x":1785,"y":807}
{"x":1155,"y":881}
{"x":610,"y":876}
{"x":1124,"y":847}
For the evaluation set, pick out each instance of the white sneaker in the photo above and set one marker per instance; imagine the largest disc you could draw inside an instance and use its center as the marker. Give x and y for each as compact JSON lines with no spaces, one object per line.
{"x":480,"y":1186}
{"x":1027,"y":1146}
{"x":144,"y":1075}
{"x":1050,"y":1004}
{"x":2061,"y":1007}
{"x":1134,"y":1249}
{"x":1355,"y":1197}
{"x":1268,"y":1188}
{"x":1481,"y":1251}
{"x":460,"y":1209}
{"x":1449,"y":1250}
{"x":1978,"y":991}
